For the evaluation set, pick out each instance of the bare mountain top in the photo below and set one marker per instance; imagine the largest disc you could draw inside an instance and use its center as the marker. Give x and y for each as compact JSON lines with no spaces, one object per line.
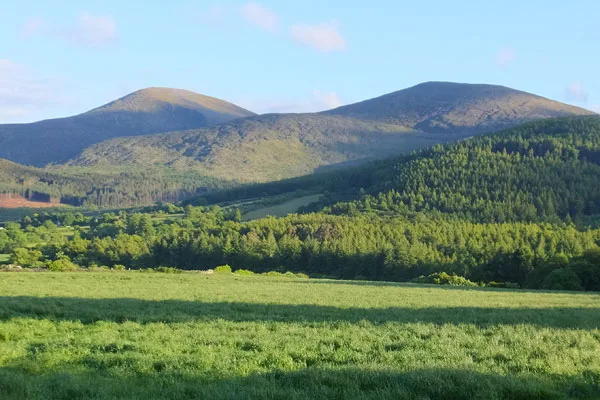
{"x":437,"y":107}
{"x":158,"y":99}
{"x":146,"y":111}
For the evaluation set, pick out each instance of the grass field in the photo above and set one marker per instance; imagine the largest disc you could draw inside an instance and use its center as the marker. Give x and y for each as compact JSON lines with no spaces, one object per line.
{"x":283,"y":209}
{"x":184,"y":336}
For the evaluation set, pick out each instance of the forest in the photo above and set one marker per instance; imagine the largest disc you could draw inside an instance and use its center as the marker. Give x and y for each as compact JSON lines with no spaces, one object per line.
{"x":516,"y":209}
{"x":364,"y":247}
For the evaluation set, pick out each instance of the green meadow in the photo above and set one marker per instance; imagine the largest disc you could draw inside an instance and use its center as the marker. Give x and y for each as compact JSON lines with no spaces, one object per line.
{"x":134,"y":335}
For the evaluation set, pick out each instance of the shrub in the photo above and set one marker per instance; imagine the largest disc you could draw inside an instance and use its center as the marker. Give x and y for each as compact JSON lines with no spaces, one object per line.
{"x":244,"y":272}
{"x":25,"y":257}
{"x":223,"y":269}
{"x":95,"y":268}
{"x":290,"y":275}
{"x":119,"y":267}
{"x":302,"y":276}
{"x":168,"y":270}
{"x":61,"y":265}
{"x":505,"y":285}
{"x":588,"y":273}
{"x":562,"y":279}
{"x":442,"y":278}
{"x":273,"y":274}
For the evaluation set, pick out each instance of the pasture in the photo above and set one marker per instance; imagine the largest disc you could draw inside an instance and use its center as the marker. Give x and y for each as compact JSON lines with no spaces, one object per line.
{"x":135,"y":335}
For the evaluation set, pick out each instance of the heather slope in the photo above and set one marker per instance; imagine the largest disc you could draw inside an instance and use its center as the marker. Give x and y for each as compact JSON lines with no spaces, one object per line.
{"x":146,"y":111}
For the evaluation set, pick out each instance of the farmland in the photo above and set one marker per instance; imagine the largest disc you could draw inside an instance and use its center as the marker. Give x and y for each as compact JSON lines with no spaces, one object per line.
{"x":149,"y":335}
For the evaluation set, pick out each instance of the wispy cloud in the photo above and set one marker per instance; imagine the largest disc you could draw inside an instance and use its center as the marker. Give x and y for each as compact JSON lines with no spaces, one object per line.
{"x":325,"y":100}
{"x":22,"y":93}
{"x":259,"y":16}
{"x":93,"y":30}
{"x":213,"y":14}
{"x":576,"y":92}
{"x":324,"y":37}
{"x":505,"y":57}
{"x":317,"y":101}
{"x":88,"y":30}
{"x":33,"y":26}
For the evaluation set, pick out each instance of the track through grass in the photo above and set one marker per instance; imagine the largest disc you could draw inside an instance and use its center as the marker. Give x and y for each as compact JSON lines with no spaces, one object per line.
{"x":134,"y":335}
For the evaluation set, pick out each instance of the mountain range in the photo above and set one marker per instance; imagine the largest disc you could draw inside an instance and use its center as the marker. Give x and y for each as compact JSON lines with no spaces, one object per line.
{"x":146,"y":111}
{"x":199,"y":139}
{"x":276,"y":146}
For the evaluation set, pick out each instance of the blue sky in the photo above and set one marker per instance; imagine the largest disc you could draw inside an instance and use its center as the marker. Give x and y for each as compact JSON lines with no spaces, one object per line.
{"x":62,"y":58}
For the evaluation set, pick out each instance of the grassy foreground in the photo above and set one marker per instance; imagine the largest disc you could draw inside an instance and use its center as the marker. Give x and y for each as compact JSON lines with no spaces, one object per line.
{"x":147,"y":336}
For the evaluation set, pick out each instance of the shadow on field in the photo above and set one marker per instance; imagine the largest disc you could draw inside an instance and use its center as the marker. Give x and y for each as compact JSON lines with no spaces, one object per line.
{"x":409,"y":285}
{"x":146,"y":311}
{"x":310,"y":383}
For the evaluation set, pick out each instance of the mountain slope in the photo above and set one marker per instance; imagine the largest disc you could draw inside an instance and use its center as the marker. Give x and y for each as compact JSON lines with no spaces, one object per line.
{"x":278,"y":146}
{"x":146,"y":111}
{"x":546,"y":170}
{"x":439,"y":107}
{"x":258,"y":149}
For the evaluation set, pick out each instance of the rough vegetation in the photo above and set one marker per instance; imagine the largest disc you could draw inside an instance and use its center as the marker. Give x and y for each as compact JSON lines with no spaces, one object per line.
{"x":131,"y":335}
{"x":272,"y":147}
{"x":143,"y":112}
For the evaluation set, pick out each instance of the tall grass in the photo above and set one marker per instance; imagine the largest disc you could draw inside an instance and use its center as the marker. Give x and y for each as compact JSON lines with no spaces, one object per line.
{"x":133,"y":335}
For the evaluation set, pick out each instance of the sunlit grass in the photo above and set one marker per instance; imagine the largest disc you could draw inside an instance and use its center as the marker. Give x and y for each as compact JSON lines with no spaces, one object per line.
{"x":135,"y":335}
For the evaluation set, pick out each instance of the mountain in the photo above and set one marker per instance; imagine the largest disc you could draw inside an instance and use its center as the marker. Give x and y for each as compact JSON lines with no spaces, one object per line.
{"x":114,"y":188}
{"x":146,"y":111}
{"x":270,"y":147}
{"x":545,"y":170}
{"x":447,"y":107}
{"x":259,"y":149}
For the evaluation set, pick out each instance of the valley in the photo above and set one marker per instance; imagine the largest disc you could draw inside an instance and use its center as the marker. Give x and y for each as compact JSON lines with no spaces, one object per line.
{"x":299,"y":200}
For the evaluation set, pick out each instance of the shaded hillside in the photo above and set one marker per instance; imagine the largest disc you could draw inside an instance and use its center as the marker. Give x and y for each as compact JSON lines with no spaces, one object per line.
{"x":143,"y":112}
{"x":447,"y":107}
{"x":278,"y":146}
{"x":262,"y":148}
{"x":107,"y":188}
{"x":540,"y":171}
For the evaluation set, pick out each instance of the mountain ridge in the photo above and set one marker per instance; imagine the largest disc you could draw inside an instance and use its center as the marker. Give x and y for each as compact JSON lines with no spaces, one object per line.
{"x":278,"y":146}
{"x":146,"y":111}
{"x":456,"y":106}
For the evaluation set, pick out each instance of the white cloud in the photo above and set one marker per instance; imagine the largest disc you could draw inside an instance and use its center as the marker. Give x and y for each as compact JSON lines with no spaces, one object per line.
{"x":88,"y":30}
{"x":326,"y":100}
{"x":323,"y":37}
{"x":576,"y":92}
{"x":318,"y":101}
{"x":33,"y":26}
{"x":260,"y":16}
{"x":93,"y":30}
{"x":505,"y":57}
{"x":22,"y":94}
{"x":213,"y":15}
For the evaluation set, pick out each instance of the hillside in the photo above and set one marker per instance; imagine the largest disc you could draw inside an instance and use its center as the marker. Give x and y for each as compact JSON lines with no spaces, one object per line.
{"x":261,"y":148}
{"x":114,"y":187}
{"x":146,"y":111}
{"x":278,"y":146}
{"x":541,"y":171}
{"x":447,"y":107}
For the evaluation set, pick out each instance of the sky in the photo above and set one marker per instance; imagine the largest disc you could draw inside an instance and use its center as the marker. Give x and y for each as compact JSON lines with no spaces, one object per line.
{"x":60,"y":58}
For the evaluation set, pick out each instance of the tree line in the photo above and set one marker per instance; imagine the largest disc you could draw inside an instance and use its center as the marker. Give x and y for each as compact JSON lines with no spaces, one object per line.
{"x":347,"y":247}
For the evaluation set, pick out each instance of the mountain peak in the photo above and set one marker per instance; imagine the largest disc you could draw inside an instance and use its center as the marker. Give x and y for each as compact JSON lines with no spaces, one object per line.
{"x":146,"y":111}
{"x":458,"y":107}
{"x":154,"y":99}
